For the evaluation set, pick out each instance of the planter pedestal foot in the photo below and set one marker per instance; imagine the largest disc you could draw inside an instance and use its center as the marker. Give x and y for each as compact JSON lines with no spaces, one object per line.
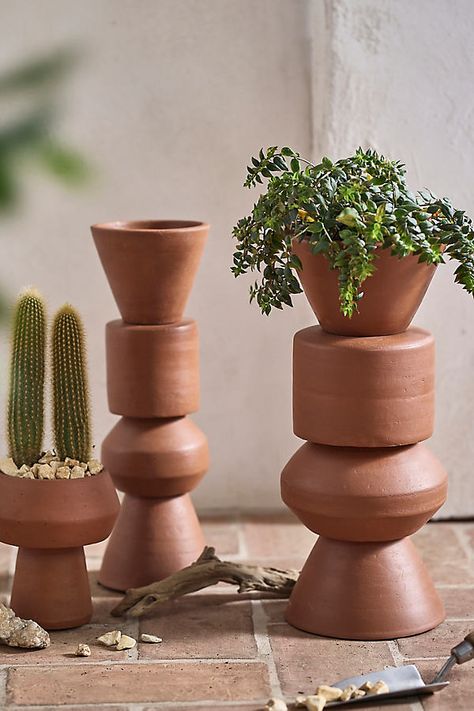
{"x":51,"y":586}
{"x":364,"y":591}
{"x":152,"y":539}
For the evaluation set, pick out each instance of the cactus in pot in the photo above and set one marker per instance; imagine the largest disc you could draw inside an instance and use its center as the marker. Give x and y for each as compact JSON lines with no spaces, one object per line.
{"x":71,"y":410}
{"x":52,"y":505}
{"x":27,"y":373}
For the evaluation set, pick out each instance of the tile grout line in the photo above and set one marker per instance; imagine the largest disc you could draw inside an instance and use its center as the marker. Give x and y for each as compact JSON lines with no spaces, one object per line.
{"x":129,"y":662}
{"x":260,"y":631}
{"x":397,"y":656}
{"x":399,"y":660}
{"x":3,"y":688}
{"x":463,"y":542}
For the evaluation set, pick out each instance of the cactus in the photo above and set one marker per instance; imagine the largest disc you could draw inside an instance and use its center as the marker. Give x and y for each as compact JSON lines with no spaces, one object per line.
{"x":71,"y":414}
{"x":26,"y":394}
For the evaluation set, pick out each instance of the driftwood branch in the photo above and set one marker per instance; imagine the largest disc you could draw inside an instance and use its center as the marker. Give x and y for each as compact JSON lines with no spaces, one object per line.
{"x":207,"y":570}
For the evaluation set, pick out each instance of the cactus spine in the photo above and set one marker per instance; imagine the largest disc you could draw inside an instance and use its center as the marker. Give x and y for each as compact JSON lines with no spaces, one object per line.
{"x":27,"y":369}
{"x":71,"y":413}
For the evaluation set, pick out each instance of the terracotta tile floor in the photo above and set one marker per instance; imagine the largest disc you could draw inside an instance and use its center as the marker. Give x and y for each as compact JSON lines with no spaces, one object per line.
{"x":222,"y":651}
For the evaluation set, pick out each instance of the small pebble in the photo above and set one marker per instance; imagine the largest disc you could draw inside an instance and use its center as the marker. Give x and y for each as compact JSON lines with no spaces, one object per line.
{"x":83,"y":650}
{"x":8,"y":466}
{"x":276,"y":705}
{"x":125,"y":642}
{"x":48,"y":457}
{"x":150,"y":638}
{"x":95,"y":467}
{"x":63,"y":473}
{"x":77,"y":472}
{"x":380,"y":687}
{"x":71,"y":462}
{"x":315,"y":703}
{"x":348,"y":692}
{"x":110,"y":639}
{"x":44,"y":471}
{"x":330,"y":693}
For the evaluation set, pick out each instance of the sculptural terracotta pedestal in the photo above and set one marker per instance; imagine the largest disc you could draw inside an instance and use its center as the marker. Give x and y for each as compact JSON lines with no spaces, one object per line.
{"x":363,"y":481}
{"x":156,"y":455}
{"x":50,"y":521}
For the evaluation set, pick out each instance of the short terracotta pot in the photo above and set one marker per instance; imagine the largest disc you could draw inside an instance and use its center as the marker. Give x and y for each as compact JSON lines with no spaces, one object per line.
{"x":151,"y":265}
{"x":156,"y":458}
{"x":50,"y":521}
{"x":392,"y":295}
{"x":153,"y":371}
{"x":363,"y":392}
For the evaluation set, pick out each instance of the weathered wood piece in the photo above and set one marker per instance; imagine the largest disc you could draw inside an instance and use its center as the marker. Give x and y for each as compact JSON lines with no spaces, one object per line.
{"x":207,"y":570}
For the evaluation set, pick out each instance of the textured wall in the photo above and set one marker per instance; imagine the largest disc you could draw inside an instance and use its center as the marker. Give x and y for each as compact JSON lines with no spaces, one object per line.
{"x":170,"y":100}
{"x":397,"y":76}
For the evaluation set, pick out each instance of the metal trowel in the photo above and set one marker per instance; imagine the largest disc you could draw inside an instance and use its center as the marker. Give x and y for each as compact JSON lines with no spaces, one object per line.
{"x":406,"y":680}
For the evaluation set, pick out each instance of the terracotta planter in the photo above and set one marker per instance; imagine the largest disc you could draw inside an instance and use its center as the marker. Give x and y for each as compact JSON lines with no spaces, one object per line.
{"x":155,"y":454}
{"x":151,"y":266}
{"x":392,"y":295}
{"x":50,"y":522}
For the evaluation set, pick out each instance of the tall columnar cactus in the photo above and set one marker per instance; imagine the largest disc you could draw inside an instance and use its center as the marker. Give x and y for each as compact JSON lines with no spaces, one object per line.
{"x":27,"y":368}
{"x":71,"y":414}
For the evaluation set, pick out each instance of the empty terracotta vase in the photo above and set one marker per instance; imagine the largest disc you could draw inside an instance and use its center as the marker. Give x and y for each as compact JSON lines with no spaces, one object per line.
{"x":151,"y":266}
{"x":392,"y":295}
{"x":156,"y":455}
{"x":50,"y":521}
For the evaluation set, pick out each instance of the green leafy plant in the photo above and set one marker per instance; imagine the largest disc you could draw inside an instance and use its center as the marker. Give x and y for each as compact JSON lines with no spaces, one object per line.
{"x":71,"y":411}
{"x":345,"y":211}
{"x":27,"y":371}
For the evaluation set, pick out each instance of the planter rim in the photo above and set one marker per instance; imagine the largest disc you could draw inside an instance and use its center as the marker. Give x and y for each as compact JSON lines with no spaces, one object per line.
{"x":147,"y":226}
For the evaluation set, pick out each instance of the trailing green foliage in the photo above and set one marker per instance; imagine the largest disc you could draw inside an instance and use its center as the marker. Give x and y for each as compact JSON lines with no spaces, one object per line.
{"x":345,"y":210}
{"x":71,"y":412}
{"x":27,"y":370}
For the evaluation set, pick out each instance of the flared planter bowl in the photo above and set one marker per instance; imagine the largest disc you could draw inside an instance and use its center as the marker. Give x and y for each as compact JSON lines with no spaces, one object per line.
{"x":151,"y":266}
{"x":392,"y":295}
{"x":50,"y":521}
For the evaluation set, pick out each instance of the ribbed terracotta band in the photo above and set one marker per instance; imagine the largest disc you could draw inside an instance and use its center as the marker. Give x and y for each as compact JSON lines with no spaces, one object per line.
{"x":363,"y":392}
{"x":153,"y":371}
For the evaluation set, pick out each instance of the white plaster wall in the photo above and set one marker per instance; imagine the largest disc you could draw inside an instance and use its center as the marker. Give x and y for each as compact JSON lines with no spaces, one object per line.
{"x":171,"y":99}
{"x":398,"y":76}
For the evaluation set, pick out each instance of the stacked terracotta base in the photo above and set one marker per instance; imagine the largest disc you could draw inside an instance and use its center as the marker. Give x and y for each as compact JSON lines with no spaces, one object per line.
{"x":364,"y":482}
{"x":155,"y":454}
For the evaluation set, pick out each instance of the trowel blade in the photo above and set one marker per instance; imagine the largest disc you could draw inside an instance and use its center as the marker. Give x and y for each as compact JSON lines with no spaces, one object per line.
{"x":396,"y":678}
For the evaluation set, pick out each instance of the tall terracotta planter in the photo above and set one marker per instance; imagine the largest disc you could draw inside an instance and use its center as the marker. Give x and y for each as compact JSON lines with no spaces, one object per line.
{"x":156,"y":455}
{"x":363,"y":398}
{"x":50,"y":521}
